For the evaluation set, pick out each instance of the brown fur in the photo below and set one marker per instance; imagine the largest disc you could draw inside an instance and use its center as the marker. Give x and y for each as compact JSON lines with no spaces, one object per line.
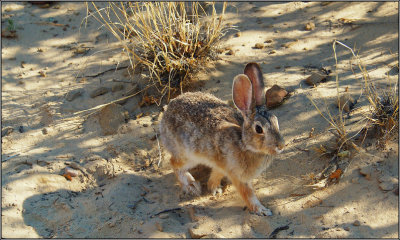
{"x":198,"y":128}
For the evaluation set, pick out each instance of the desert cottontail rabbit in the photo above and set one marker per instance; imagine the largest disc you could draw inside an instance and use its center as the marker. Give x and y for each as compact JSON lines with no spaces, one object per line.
{"x":198,"y":128}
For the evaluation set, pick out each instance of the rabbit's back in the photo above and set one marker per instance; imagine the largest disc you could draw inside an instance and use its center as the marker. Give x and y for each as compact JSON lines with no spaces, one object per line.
{"x":193,"y":121}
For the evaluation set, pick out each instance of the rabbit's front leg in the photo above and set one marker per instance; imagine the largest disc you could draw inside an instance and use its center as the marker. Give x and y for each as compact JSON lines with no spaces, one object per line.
{"x":251,"y":200}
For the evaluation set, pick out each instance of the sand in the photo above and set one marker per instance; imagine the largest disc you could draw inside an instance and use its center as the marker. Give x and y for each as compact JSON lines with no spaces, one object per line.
{"x":124,"y":179}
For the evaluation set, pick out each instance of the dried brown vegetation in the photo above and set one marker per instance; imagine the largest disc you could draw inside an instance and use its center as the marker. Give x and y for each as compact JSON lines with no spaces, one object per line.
{"x":170,"y":41}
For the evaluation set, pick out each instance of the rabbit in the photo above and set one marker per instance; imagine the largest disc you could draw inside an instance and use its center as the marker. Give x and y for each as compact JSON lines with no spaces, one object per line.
{"x":198,"y":128}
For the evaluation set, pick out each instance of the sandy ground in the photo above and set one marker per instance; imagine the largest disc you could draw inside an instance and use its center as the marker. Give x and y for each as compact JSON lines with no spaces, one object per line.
{"x":120,"y":188}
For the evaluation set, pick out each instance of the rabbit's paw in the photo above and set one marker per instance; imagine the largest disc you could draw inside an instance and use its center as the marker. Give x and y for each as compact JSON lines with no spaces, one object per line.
{"x":192,"y":188}
{"x":189,"y":185}
{"x":216,"y":191}
{"x":261,"y":210}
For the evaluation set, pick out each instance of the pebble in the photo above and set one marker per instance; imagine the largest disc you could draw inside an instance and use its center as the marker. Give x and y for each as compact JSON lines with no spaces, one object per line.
{"x":346,"y":228}
{"x":274,"y":96}
{"x":366,"y":172}
{"x":289,"y":44}
{"x":214,"y":236}
{"x":71,"y":95}
{"x":72,"y":172}
{"x":268,"y":41}
{"x":238,"y":34}
{"x":196,"y":233}
{"x":345,"y":101}
{"x":230,"y":52}
{"x":110,"y":118}
{"x":386,"y":186}
{"x":259,"y":45}
{"x":309,"y":26}
{"x":44,"y":131}
{"x":99,"y":91}
{"x":163,"y":215}
{"x":356,"y":223}
{"x":7,"y":130}
{"x":272,"y":52}
{"x":315,"y":78}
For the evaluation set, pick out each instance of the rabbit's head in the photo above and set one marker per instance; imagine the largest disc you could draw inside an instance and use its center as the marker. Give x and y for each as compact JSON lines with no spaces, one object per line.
{"x":260,"y":130}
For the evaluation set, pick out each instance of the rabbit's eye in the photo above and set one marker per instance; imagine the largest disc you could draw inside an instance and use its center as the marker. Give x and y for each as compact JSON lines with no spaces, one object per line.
{"x":259,"y":129}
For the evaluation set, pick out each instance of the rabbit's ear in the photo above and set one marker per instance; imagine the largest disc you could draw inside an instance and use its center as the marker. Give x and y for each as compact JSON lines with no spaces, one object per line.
{"x":242,"y":93}
{"x":253,"y":71}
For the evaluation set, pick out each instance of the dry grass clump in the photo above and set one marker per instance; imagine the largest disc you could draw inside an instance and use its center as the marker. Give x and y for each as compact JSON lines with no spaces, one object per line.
{"x":384,"y":112}
{"x":383,"y":119}
{"x":172,"y":41}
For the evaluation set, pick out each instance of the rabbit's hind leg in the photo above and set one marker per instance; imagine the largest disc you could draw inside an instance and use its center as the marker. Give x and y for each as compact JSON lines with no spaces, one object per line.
{"x":214,"y":182}
{"x":187,"y":182}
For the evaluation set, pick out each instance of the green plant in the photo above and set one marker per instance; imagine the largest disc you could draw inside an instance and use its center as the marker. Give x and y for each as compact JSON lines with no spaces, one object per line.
{"x":10,"y":26}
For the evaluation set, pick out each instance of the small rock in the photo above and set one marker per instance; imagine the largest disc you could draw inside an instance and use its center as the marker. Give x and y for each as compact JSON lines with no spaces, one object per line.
{"x":9,"y":33}
{"x":315,"y":78}
{"x":214,"y":236}
{"x":99,"y":91}
{"x":159,"y":226}
{"x":259,"y":45}
{"x":259,"y":224}
{"x":117,"y":87}
{"x":366,"y":172}
{"x":274,"y":96}
{"x":163,"y":215}
{"x":220,"y":50}
{"x":309,"y":26}
{"x":386,"y":178}
{"x":386,"y":186}
{"x":196,"y":233}
{"x":21,"y":129}
{"x":7,"y":130}
{"x":346,"y":228}
{"x":396,"y":191}
{"x":238,"y":34}
{"x":42,"y":73}
{"x":230,"y":52}
{"x":268,"y":41}
{"x":289,"y":44}
{"x":346,"y":102}
{"x":110,"y":118}
{"x":272,"y":52}
{"x":71,"y":95}
{"x":44,"y":131}
{"x":70,"y":171}
{"x":277,"y":31}
{"x":356,"y":223}
{"x":354,"y":180}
